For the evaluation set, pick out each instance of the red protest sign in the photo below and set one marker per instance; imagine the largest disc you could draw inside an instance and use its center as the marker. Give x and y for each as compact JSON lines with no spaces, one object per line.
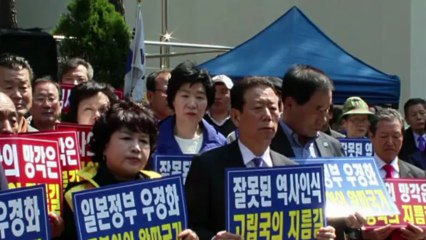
{"x":410,"y":198}
{"x":28,"y":161}
{"x":66,"y":91}
{"x":69,"y":152}
{"x":84,"y":134}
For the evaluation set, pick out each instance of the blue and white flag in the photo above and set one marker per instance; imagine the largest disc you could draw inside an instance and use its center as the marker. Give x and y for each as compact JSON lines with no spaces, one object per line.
{"x":134,"y":80}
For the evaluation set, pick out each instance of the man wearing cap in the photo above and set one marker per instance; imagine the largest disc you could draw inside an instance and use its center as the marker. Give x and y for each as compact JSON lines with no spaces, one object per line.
{"x":356,"y":117}
{"x":219,"y":113}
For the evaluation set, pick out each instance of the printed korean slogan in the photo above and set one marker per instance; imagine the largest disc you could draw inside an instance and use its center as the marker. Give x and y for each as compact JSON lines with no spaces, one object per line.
{"x":275,"y":203}
{"x":28,"y":161}
{"x":353,"y":185}
{"x":168,"y":165}
{"x":145,"y":210}
{"x":410,"y":197}
{"x":23,"y":213}
{"x":357,"y":147}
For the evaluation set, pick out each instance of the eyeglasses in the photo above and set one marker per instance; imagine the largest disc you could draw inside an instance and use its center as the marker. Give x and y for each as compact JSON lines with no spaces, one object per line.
{"x":41,"y":100}
{"x":358,"y":121}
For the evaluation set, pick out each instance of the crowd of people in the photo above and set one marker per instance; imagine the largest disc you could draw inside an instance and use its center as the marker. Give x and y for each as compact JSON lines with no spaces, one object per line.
{"x":259,"y":121}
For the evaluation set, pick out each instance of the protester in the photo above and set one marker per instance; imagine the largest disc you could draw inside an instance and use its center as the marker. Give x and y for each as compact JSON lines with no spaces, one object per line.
{"x":8,"y":125}
{"x":356,"y":117}
{"x":190,"y":93}
{"x":307,"y":95}
{"x":219,"y":113}
{"x":47,"y":104}
{"x":255,"y":112}
{"x":88,"y":101}
{"x":15,"y":81}
{"x":327,"y":126}
{"x":414,"y":136}
{"x":386,"y":134}
{"x":75,"y":71}
{"x":123,"y":138}
{"x":156,"y":92}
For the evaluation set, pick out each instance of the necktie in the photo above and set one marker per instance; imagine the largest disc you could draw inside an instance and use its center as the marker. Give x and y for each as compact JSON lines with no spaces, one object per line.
{"x":421,"y":142}
{"x":389,"y":170}
{"x":257,"y":161}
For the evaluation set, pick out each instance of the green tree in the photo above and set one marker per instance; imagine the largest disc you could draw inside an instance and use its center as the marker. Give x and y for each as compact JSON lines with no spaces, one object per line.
{"x":95,"y":31}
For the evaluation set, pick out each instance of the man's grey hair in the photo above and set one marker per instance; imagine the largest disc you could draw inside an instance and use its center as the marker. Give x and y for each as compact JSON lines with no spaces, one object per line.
{"x":386,"y":114}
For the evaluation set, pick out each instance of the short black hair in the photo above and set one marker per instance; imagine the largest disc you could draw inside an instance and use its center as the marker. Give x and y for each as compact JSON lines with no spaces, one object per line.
{"x":241,"y":87}
{"x":188,"y":72}
{"x":151,"y":79}
{"x":15,"y":62}
{"x":86,"y":90}
{"x":122,"y":114}
{"x":73,"y":63}
{"x":46,"y":79}
{"x":302,"y":81}
{"x":411,"y":102}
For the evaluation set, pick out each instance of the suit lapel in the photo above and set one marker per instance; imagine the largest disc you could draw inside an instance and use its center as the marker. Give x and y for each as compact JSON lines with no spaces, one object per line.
{"x":277,"y":160}
{"x":323,"y":146}
{"x":404,"y":171}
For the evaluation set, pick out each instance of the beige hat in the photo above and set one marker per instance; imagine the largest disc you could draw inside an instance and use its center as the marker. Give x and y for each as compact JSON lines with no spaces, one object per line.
{"x":355,"y":105}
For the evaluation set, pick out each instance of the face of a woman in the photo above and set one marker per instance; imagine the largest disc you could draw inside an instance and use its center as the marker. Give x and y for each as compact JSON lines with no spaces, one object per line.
{"x":127,"y":153}
{"x":190,"y":103}
{"x":90,"y":109}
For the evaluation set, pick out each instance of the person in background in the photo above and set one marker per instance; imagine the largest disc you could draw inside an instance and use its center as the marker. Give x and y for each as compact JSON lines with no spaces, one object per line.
{"x":356,"y":117}
{"x":386,"y":134}
{"x":414,"y":136}
{"x":156,"y":92}
{"x":190,"y":93}
{"x":9,"y":125}
{"x":47,"y":104}
{"x":88,"y":101}
{"x":123,"y":138}
{"x":75,"y":71}
{"x":327,"y":126}
{"x":255,"y":112}
{"x":16,"y":75}
{"x":219,"y":113}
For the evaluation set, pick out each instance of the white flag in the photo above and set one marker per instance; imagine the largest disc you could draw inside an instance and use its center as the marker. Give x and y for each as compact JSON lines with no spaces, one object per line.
{"x":134,"y":80}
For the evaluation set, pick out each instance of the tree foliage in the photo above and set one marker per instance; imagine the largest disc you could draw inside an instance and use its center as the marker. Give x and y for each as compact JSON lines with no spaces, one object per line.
{"x":95,"y":31}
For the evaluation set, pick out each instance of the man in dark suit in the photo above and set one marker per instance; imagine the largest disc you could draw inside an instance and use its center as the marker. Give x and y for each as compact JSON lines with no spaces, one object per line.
{"x":386,"y":133}
{"x":307,"y":97}
{"x":306,"y":94}
{"x":415,"y":115}
{"x":255,"y":112}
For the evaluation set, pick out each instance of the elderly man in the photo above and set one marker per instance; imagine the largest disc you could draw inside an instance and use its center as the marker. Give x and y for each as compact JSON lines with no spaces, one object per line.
{"x":386,"y":134}
{"x":8,"y":125}
{"x":156,"y":93}
{"x":47,"y":105}
{"x":307,"y":95}
{"x":75,"y":71}
{"x":254,"y":110}
{"x":15,"y":81}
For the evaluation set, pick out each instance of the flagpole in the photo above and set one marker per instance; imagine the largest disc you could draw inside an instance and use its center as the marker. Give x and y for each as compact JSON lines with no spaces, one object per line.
{"x":164,"y":62}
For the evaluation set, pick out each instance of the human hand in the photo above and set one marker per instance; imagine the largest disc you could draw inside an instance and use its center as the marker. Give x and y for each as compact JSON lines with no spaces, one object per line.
{"x":379,"y":233}
{"x":355,"y":221}
{"x":224,"y":235}
{"x":56,"y":224}
{"x":188,"y":234}
{"x":412,"y":231}
{"x":326,"y":233}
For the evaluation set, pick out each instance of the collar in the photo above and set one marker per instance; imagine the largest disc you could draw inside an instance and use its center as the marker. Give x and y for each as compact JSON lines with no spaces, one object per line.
{"x":216,"y":122}
{"x":294,"y":137}
{"x":248,"y":155}
{"x":380,"y":163}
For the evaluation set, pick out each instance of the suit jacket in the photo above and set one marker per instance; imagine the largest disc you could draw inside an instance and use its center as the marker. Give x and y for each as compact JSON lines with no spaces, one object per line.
{"x":407,"y":170}
{"x":326,"y":145}
{"x":409,"y":146}
{"x":205,"y":187}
